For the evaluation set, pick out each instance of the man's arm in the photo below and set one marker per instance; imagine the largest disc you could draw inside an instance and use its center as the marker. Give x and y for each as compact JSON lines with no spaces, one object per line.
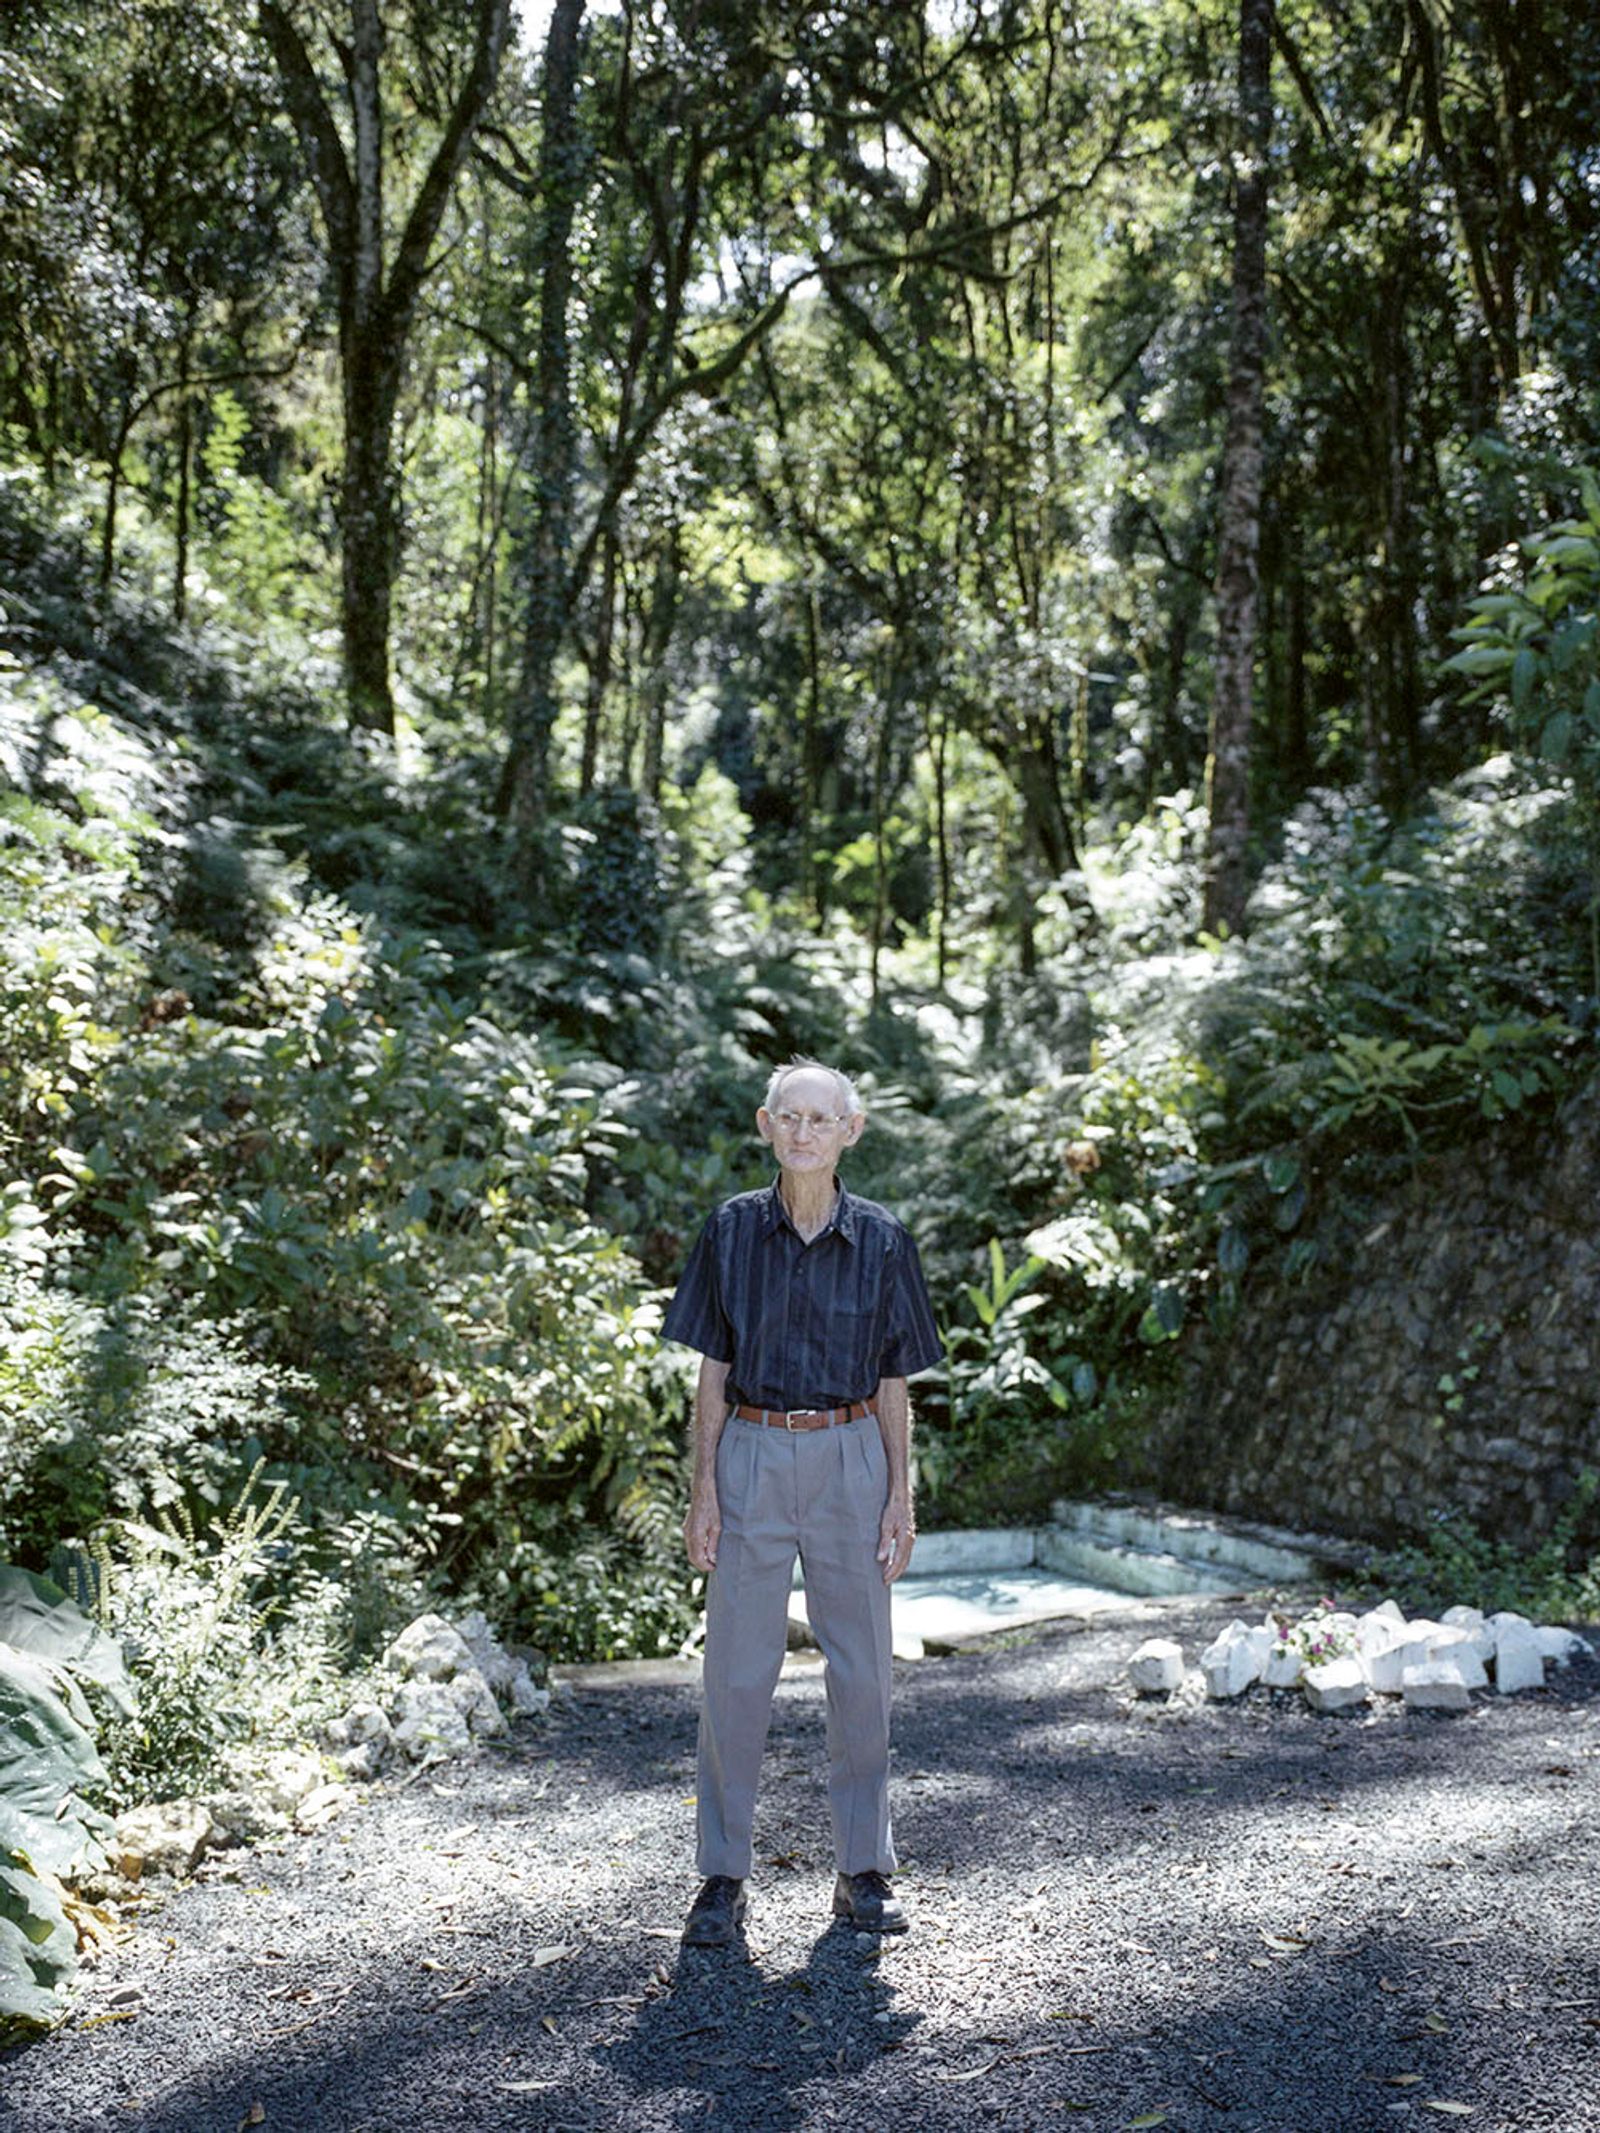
{"x":898,"y":1531}
{"x":704,"y":1523}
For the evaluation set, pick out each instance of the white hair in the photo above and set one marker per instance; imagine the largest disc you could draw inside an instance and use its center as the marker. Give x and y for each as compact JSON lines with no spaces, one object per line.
{"x":849,"y":1102}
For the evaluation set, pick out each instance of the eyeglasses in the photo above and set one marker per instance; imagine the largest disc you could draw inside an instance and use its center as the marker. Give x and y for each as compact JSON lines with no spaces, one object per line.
{"x":818,"y":1121}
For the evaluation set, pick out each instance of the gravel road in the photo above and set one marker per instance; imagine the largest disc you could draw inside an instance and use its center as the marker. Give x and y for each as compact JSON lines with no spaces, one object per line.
{"x":1217,"y":1919}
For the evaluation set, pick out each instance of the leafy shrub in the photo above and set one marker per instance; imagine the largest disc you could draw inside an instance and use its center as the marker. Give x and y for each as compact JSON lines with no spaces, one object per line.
{"x":1454,"y":1564}
{"x":1532,"y":643}
{"x":110,"y":1406}
{"x":223,"y":1644}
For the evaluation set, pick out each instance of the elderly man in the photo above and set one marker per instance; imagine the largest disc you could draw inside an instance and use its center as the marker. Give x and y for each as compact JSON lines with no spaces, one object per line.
{"x":810,"y":1312}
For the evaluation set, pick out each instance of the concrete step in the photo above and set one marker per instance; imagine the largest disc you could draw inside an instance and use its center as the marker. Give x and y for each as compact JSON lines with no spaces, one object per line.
{"x":1093,"y":1556}
{"x":1126,"y":1568}
{"x":1260,"y":1554}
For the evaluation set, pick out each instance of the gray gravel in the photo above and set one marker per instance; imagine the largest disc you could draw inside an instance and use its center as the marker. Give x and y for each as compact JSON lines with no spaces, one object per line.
{"x":1239,"y":1917}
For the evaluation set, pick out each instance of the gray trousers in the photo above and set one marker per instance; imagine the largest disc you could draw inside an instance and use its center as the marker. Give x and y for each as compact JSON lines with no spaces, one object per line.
{"x":819,"y":1493}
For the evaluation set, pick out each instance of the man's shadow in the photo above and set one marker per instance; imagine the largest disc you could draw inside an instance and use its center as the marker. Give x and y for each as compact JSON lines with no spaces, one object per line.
{"x":739,"y":2037}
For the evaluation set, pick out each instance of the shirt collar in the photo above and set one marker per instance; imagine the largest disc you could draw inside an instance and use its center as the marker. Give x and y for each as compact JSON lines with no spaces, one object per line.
{"x":843,"y":1219}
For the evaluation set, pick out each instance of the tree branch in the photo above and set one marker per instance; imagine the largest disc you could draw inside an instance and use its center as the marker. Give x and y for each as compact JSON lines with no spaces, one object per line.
{"x":313,"y":122}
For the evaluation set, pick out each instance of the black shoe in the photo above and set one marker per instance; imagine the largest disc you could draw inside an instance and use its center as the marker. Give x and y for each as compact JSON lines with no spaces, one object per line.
{"x":716,"y":1913}
{"x":869,"y":1902}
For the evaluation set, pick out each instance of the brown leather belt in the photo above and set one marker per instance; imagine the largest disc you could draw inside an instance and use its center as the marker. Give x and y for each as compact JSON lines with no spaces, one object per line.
{"x":805,"y":1417}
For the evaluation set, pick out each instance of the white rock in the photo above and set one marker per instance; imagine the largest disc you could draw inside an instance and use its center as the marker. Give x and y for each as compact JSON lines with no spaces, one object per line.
{"x":1413,"y":1646}
{"x":1391,"y":1611}
{"x":430,"y":1725}
{"x":167,"y":1837}
{"x":1336,"y":1685}
{"x":489,"y":1656}
{"x":319,"y":1807}
{"x":1380,"y":1639}
{"x":1449,"y":1646}
{"x":1284,"y":1667}
{"x":1235,"y":1658}
{"x":242,"y":1816}
{"x":361,"y":1762}
{"x":1471,"y":1622}
{"x":1518,"y":1661}
{"x":428,"y":1650}
{"x":1561,"y":1645}
{"x":285,"y":1776}
{"x":1156,"y":1668}
{"x":1437,"y":1685}
{"x":474,"y":1699}
{"x":528,"y":1700}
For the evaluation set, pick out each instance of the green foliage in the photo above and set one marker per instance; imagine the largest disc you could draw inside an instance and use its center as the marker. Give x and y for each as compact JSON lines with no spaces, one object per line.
{"x":48,"y":1763}
{"x":224,"y":1643}
{"x":1455,"y":1564}
{"x":1531,"y":644}
{"x":1015,"y":1416}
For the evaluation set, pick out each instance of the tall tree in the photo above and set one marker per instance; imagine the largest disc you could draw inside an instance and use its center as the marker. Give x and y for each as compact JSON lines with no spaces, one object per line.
{"x":1239,"y":531}
{"x":376,"y":295}
{"x":553,"y":439}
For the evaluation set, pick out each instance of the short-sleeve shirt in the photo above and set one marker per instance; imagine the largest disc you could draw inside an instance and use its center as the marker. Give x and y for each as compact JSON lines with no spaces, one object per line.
{"x":805,"y":1325}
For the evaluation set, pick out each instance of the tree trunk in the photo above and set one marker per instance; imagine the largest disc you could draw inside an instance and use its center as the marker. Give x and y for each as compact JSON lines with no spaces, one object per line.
{"x":1296,"y":743}
{"x":554,"y":448}
{"x":377,"y":304}
{"x":108,"y":520}
{"x":599,"y":665}
{"x":180,"y":559}
{"x":1233,"y":693}
{"x":368,"y":545}
{"x":812,"y":871}
{"x":657,"y":638}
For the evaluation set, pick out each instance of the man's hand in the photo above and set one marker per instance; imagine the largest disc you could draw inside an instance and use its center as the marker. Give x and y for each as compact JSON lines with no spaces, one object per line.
{"x":896,"y":1537}
{"x":702,"y":1528}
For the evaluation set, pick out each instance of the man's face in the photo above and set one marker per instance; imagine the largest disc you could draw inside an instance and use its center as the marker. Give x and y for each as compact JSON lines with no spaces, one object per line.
{"x":805,"y":1127}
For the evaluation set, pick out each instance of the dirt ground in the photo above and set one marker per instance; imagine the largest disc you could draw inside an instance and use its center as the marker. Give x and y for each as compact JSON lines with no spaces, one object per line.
{"x":1124,"y":1915}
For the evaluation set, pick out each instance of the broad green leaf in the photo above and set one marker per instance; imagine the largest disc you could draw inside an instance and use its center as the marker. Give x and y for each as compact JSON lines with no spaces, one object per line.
{"x":46,"y":1755}
{"x":1233,"y":1250}
{"x":38,"y":1951}
{"x":1555,"y":737}
{"x":1524,"y":673}
{"x":37,"y":1617}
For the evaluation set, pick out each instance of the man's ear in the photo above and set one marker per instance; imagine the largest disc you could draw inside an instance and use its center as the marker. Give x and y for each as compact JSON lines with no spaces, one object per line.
{"x":764,"y":1124}
{"x":855,"y":1129}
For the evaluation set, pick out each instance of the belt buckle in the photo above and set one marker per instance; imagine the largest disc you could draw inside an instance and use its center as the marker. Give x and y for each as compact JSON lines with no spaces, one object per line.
{"x":789,"y":1414}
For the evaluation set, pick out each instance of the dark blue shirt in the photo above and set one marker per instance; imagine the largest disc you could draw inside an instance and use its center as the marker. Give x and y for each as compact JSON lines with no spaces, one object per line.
{"x":805,"y":1325}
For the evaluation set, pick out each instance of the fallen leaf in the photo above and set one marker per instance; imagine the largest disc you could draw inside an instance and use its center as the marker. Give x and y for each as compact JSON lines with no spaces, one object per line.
{"x":255,"y":2116}
{"x":1447,"y":2110}
{"x":1402,"y":2081}
{"x":549,"y":2022}
{"x":971,"y":2073}
{"x":1147,"y":2118}
{"x":1261,"y":1962}
{"x":1387,"y":1985}
{"x":553,"y":1954}
{"x":1285,"y":1943}
{"x":524,"y":2088}
{"x":117,"y":2014}
{"x":1437,"y":2023}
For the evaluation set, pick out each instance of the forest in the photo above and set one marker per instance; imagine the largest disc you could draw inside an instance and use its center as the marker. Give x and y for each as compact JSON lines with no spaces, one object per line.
{"x":1046,"y":551}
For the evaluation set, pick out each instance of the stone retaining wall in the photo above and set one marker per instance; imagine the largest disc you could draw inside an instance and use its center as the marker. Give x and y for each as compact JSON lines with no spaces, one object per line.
{"x":1327,"y":1406}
